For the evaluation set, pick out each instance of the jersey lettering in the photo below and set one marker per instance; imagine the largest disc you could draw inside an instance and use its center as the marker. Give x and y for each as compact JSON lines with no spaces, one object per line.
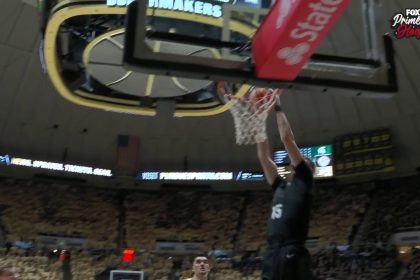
{"x":277,"y":211}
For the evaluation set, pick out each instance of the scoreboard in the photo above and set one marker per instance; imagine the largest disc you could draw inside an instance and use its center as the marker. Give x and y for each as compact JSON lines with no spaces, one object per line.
{"x":364,"y":153}
{"x":321,"y":156}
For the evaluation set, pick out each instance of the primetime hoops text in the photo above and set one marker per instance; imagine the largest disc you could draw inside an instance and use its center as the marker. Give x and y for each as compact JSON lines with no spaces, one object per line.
{"x":407,"y":25}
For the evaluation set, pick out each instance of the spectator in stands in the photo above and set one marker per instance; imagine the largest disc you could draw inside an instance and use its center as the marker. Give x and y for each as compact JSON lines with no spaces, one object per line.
{"x":201,"y":268}
{"x":7,"y":274}
{"x":8,"y":245}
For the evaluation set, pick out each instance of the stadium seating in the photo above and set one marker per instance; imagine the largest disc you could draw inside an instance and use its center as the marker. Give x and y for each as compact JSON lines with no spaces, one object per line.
{"x":32,"y":267}
{"x":412,"y":269}
{"x":336,"y":211}
{"x":222,"y":221}
{"x":31,"y":210}
{"x":151,"y":217}
{"x":397,"y":205}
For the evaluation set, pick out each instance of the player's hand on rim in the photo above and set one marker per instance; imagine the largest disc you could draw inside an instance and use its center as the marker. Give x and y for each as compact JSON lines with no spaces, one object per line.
{"x":277,"y":93}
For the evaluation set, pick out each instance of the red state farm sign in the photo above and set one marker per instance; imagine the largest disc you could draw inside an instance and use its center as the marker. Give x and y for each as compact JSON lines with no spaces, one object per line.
{"x":290,"y":34}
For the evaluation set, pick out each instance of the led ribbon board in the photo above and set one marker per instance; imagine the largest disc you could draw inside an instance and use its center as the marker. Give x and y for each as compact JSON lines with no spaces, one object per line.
{"x":5,"y":160}
{"x":249,"y":176}
{"x":185,"y":176}
{"x":200,"y":176}
{"x":71,"y":168}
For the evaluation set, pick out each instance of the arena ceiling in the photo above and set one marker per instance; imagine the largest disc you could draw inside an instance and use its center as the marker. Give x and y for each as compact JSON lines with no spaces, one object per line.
{"x":36,"y":122}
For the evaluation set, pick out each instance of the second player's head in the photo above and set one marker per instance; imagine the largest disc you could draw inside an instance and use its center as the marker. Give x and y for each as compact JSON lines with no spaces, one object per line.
{"x":291,"y":169}
{"x":310,"y":164}
{"x":201,"y":267}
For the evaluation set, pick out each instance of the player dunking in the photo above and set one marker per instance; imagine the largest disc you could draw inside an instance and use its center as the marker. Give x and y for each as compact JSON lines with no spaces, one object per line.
{"x":286,"y":257}
{"x":200,"y":268}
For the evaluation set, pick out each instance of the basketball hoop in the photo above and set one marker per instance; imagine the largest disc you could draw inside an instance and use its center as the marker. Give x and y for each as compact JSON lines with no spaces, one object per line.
{"x":249,"y":113}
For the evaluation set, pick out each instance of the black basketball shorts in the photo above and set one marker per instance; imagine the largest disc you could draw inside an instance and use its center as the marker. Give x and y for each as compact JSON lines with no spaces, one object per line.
{"x":290,"y":262}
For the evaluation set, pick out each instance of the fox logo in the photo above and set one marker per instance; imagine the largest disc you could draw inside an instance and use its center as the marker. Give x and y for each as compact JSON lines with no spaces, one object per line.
{"x":277,"y":211}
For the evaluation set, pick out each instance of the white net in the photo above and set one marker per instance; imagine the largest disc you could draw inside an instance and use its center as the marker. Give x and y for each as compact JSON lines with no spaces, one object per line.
{"x":249,"y":116}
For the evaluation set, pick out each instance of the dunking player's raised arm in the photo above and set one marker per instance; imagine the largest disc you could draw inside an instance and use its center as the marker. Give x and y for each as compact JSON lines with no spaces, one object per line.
{"x":286,"y":134}
{"x":267,"y":164}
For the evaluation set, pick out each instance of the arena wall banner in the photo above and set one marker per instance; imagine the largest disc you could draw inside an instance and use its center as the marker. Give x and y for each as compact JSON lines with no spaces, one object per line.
{"x":406,"y":238}
{"x":53,"y":241}
{"x":180,"y":247}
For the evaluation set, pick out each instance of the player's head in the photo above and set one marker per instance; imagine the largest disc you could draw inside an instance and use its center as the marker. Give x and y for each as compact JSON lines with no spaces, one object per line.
{"x":289,"y":177}
{"x":201,"y":267}
{"x":7,"y":274}
{"x":310,"y":164}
